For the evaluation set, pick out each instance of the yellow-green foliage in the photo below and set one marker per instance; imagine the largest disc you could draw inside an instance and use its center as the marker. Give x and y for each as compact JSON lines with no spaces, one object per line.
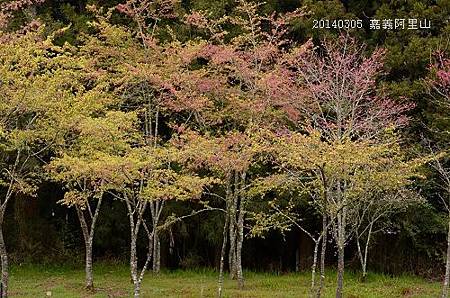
{"x":38,"y":86}
{"x":364,"y":168}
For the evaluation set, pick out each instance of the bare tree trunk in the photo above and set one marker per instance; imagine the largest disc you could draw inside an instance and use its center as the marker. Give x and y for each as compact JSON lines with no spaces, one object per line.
{"x":323,"y":238}
{"x":88,"y":249}
{"x":445,"y":176}
{"x":340,"y":245}
{"x":155,"y":247}
{"x":232,"y":251}
{"x":322,"y":255}
{"x":240,"y":207}
{"x":222,"y":253}
{"x":137,"y":208}
{"x":447,"y":265}
{"x":240,"y":240}
{"x":89,"y":275}
{"x":156,"y":208}
{"x":156,"y":253}
{"x":88,"y":235}
{"x":233,"y":227}
{"x":340,"y":278}
{"x":4,"y":261}
{"x":314,"y":266}
{"x":137,"y":289}
{"x":134,"y":265}
{"x":158,"y":256}
{"x":136,"y":277}
{"x":138,"y":283}
{"x":340,"y":237}
{"x":363,"y":258}
{"x":364,"y":267}
{"x":224,"y":241}
{"x":3,"y":251}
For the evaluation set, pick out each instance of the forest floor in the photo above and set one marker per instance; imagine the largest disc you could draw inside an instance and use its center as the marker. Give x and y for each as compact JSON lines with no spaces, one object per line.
{"x":114,"y":281}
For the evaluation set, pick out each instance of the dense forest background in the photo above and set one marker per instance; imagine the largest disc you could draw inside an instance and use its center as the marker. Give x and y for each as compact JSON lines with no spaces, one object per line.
{"x":40,"y":230}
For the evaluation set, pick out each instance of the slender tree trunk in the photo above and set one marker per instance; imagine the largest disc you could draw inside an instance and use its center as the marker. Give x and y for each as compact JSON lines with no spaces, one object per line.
{"x":224,"y":237}
{"x":363,"y":257}
{"x":447,"y":265}
{"x":314,"y":266}
{"x":133,"y":260}
{"x":323,"y":238}
{"x":4,"y":261}
{"x":232,"y":251}
{"x":223,"y":251}
{"x":155,"y":248}
{"x":340,"y":245}
{"x":3,"y":251}
{"x":88,"y":249}
{"x":360,"y":255}
{"x":325,"y":225}
{"x":361,"y":260}
{"x":156,"y":208}
{"x":137,"y":289}
{"x":88,"y":235}
{"x":89,"y":275}
{"x":340,"y":238}
{"x":134,"y":265}
{"x":240,"y":240}
{"x":340,"y":278}
{"x":135,"y":275}
{"x":233,"y":228}
{"x":137,"y":209}
{"x":240,"y":208}
{"x":366,"y":251}
{"x":156,"y":253}
{"x":322,"y":255}
{"x":364,"y":267}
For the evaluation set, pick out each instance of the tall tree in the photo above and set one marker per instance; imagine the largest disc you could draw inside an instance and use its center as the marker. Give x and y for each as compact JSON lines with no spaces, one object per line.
{"x":80,"y":166}
{"x":365,"y":169}
{"x":439,"y":84}
{"x":229,"y":159}
{"x":143,"y":75}
{"x":36,"y":89}
{"x":344,"y":105}
{"x":241,"y":75}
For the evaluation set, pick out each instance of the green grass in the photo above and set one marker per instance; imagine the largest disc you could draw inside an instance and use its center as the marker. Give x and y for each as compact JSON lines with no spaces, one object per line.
{"x":114,"y":281}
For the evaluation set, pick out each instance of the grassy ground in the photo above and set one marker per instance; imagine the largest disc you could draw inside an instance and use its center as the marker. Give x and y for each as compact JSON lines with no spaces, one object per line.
{"x":114,"y":281}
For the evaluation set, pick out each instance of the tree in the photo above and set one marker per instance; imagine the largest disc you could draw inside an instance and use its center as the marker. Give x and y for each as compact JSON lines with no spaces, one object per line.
{"x":229,"y":159}
{"x":439,"y":85}
{"x":150,"y":81}
{"x":373,"y":215}
{"x":283,"y":214}
{"x":36,"y":88}
{"x":142,"y":75}
{"x":444,"y":174}
{"x":344,"y":106}
{"x":143,"y":175}
{"x":81,"y":164}
{"x":362,"y":167}
{"x":246,"y":87}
